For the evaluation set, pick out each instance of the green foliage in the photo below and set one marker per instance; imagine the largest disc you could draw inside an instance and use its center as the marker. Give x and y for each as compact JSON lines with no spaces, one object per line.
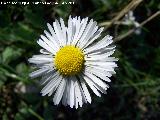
{"x":135,"y":89}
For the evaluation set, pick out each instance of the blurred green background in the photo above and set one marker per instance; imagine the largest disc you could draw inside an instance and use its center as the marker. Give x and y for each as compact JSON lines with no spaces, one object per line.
{"x":134,"y":93}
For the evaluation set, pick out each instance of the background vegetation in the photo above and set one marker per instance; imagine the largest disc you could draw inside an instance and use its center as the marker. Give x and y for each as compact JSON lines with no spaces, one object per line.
{"x":135,"y":89}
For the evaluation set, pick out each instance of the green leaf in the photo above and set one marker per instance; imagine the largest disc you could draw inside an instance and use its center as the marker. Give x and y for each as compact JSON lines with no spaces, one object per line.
{"x":10,"y":54}
{"x":24,"y":32}
{"x":35,"y":17}
{"x":48,"y":113}
{"x":23,"y":70}
{"x":4,"y":117}
{"x":3,"y":78}
{"x":19,"y":117}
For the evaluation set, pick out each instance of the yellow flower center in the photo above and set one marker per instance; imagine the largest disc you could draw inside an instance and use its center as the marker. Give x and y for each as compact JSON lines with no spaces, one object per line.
{"x":69,"y":60}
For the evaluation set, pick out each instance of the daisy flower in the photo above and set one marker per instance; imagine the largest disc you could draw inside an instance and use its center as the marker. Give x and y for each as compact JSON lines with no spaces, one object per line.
{"x":72,"y":60}
{"x":130,"y":19}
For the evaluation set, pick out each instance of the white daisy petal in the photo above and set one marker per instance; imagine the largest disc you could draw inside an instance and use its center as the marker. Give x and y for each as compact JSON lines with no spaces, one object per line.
{"x":49,"y":43}
{"x":59,"y":93}
{"x":92,"y":31}
{"x":58,"y":32}
{"x":48,"y":76}
{"x":100,"y":51}
{"x":101,"y":74}
{"x":96,"y":80}
{"x":64,"y":99}
{"x":74,"y":20}
{"x":54,"y":37}
{"x":64,"y":30}
{"x":85,"y":90}
{"x":51,"y":92}
{"x":101,"y":63}
{"x":42,"y":56}
{"x":51,"y":84}
{"x":38,"y":73}
{"x":104,"y":57}
{"x":92,"y":85}
{"x":96,"y":84}
{"x":47,"y":65}
{"x":69,"y":30}
{"x":40,"y":59}
{"x":43,"y":51}
{"x":79,"y":31}
{"x":78,"y":25}
{"x":101,"y":44}
{"x":93,"y":37}
{"x":83,"y":26}
{"x":85,"y":33}
{"x":45,"y":46}
{"x":68,"y":92}
{"x":101,"y":70}
{"x":54,"y":44}
{"x":61,"y":33}
{"x":101,"y":89}
{"x":109,"y":70}
{"x":84,"y":100}
{"x":78,"y":96}
{"x":72,"y":94}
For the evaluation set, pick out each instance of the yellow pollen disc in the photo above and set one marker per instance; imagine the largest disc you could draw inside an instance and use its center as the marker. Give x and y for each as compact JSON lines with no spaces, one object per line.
{"x":69,"y":60}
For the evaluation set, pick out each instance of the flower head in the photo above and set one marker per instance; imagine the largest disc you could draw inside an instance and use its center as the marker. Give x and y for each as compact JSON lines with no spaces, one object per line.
{"x":72,"y":59}
{"x":130,"y":20}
